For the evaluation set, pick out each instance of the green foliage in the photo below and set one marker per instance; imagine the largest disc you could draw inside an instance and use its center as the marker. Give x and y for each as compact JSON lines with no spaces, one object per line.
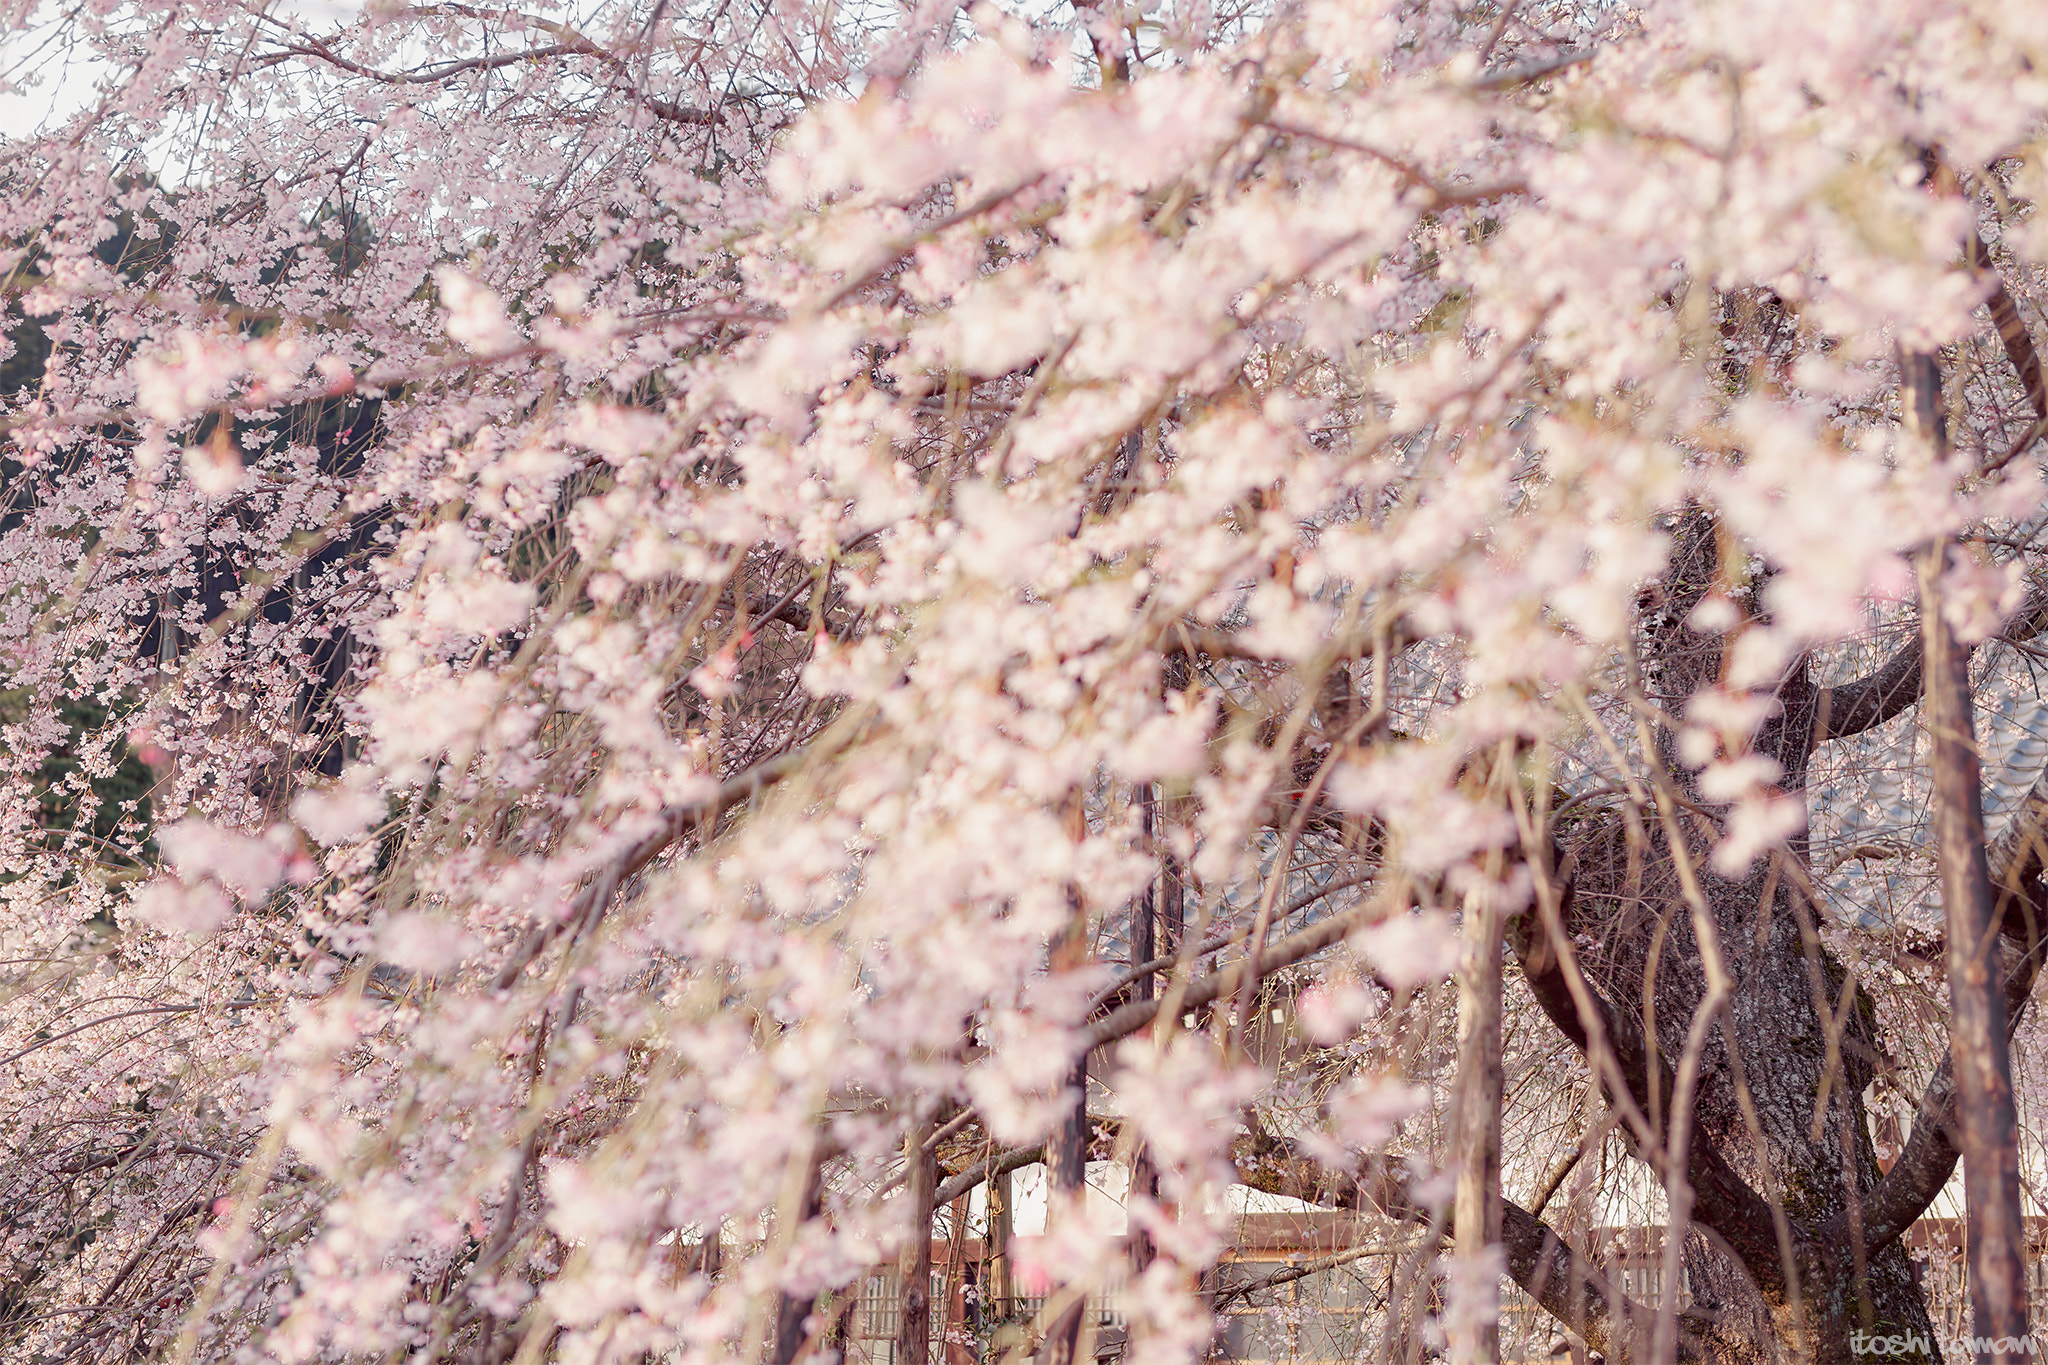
{"x":90,"y":790}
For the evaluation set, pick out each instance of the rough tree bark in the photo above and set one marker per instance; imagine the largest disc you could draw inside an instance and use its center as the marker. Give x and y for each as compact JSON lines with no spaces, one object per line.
{"x":1144,"y":947}
{"x":1794,"y":1239}
{"x":1985,"y":1110}
{"x":914,"y":1267}
{"x":1066,"y":1148}
{"x":1474,"y":1329}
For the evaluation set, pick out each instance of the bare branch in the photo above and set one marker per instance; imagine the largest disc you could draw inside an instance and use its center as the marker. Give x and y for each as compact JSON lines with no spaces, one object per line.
{"x":1568,"y":1284}
{"x":2012,"y":331}
{"x":1128,"y":1019}
{"x":1016,"y":1159}
{"x":571,"y":44}
{"x":1533,"y":71}
{"x":1727,"y":1204}
{"x":2017,"y":857}
{"x":1870,"y":701}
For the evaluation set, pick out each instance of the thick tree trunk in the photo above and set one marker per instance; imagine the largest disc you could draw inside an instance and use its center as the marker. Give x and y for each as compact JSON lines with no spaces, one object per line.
{"x":1983,"y":1071}
{"x":1783,"y":1107}
{"x":1792,"y":1241}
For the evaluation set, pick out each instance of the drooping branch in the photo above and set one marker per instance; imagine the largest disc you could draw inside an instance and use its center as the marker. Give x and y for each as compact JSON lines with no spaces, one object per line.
{"x":1574,"y":1292}
{"x":1566,"y":1283}
{"x":2018,"y":858}
{"x":676,"y":821}
{"x":1726,"y":1203}
{"x":1871,"y":701}
{"x":1140,"y":976}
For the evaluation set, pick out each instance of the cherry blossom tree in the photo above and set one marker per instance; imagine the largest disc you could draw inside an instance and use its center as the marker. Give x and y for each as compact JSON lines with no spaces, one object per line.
{"x":645,"y":642}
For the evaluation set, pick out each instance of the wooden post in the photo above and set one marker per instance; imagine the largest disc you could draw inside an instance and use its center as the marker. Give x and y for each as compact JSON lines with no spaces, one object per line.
{"x":995,"y":1290}
{"x":1066,"y":1169}
{"x":1066,"y":1147}
{"x":914,"y":1265}
{"x":1144,"y":947}
{"x":1474,"y":1324}
{"x":953,"y":1308}
{"x":793,"y":1312}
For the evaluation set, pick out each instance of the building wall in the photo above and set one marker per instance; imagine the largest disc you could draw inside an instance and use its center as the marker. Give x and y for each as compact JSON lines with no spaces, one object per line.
{"x":1333,"y":1315}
